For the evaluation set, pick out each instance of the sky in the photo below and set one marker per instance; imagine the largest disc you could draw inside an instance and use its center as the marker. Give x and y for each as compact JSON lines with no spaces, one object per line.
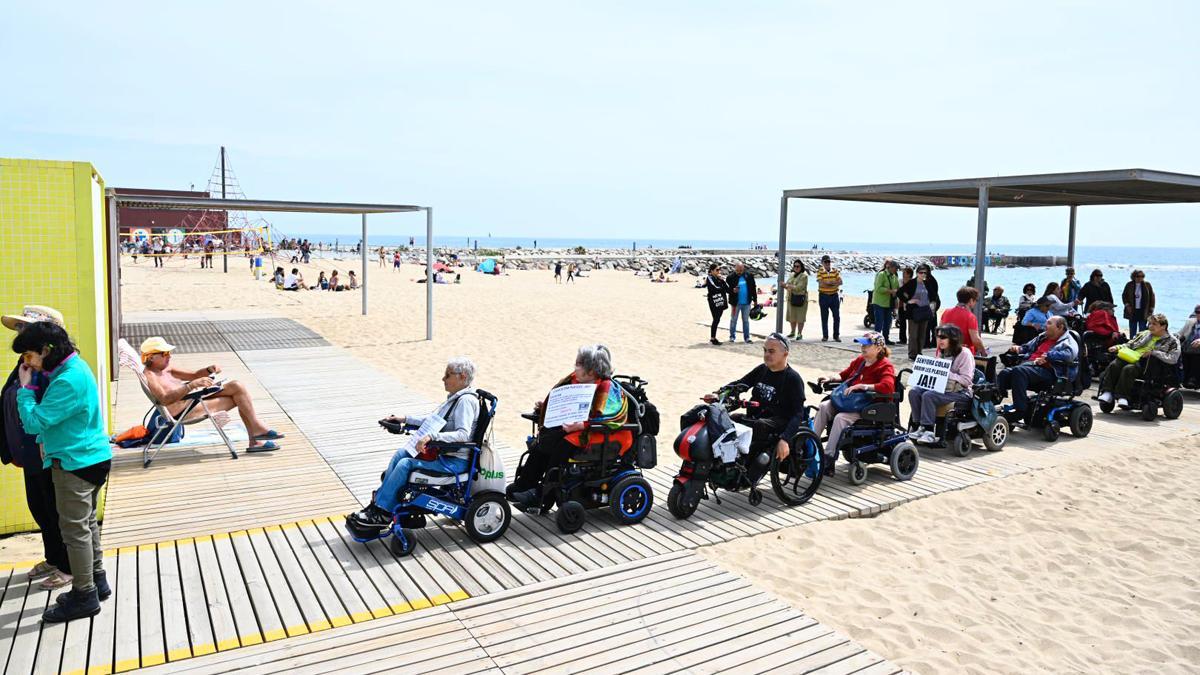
{"x":617,"y":119}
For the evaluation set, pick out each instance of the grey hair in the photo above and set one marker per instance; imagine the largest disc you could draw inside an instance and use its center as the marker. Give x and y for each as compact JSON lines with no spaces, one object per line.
{"x":461,"y":365}
{"x":1058,"y":321}
{"x":596,"y":359}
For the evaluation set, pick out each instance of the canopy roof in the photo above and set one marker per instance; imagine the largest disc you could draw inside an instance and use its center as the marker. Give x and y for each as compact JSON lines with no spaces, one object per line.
{"x":169,"y":202}
{"x":1087,"y":188}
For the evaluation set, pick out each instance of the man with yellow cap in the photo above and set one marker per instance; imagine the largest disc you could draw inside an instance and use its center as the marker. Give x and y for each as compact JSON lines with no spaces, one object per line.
{"x":169,"y":386}
{"x":21,"y":449}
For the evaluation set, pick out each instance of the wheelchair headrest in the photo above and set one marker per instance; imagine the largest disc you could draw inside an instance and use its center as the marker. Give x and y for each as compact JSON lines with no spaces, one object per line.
{"x":487,"y":410}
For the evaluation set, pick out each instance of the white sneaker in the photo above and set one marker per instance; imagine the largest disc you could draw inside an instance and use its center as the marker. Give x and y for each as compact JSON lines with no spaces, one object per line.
{"x":1106,"y":397}
{"x":1122,"y":403}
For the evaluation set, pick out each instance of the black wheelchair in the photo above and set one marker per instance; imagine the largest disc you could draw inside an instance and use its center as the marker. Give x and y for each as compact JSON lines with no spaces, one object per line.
{"x":1155,"y":388}
{"x":431,"y":492}
{"x":876,"y":437}
{"x":1054,"y":406}
{"x":958,"y":424}
{"x":602,"y":474}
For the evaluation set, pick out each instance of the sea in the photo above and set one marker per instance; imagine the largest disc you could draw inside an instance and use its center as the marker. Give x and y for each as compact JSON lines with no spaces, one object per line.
{"x":1173,"y":272}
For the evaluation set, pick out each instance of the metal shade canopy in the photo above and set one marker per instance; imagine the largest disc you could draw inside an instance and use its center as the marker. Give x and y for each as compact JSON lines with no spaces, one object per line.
{"x":1085,"y":188}
{"x":149,"y":201}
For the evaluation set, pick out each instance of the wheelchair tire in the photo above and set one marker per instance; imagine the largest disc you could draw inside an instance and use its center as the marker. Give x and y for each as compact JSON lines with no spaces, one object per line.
{"x":402,"y":543}
{"x":905,"y":460}
{"x":857,"y":473}
{"x":570,"y":517}
{"x":631,"y":499}
{"x":677,"y":502}
{"x":995,"y":437}
{"x":1173,"y":405}
{"x":1050,"y":431}
{"x":487,"y":517}
{"x":1080,"y":421}
{"x":1149,"y":411}
{"x":789,"y":479}
{"x":961,"y":445}
{"x":868,"y":321}
{"x":1107,"y":407}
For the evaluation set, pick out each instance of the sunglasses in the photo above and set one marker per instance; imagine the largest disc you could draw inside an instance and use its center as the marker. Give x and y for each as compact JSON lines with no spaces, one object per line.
{"x":943,"y":336}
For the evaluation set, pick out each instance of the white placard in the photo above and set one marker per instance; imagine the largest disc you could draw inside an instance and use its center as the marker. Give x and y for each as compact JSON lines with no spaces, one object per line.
{"x":430,"y":425}
{"x":569,"y":403}
{"x":930,"y":373}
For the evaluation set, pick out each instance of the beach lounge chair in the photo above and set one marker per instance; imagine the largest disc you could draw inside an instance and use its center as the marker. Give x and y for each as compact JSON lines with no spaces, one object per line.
{"x":129,"y":357}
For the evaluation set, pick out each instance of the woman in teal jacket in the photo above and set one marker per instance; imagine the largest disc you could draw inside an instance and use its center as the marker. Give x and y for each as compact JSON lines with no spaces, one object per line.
{"x":69,"y":426}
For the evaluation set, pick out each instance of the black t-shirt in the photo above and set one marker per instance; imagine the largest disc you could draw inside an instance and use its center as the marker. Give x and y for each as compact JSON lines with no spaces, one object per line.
{"x":779,"y":394}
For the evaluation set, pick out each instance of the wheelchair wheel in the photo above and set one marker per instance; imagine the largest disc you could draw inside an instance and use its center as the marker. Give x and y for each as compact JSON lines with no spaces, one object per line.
{"x":570,"y":517}
{"x":754,"y":497}
{"x":631,"y":499}
{"x":402,"y":543}
{"x":1080,"y":421}
{"x":796,"y":479}
{"x":1173,"y":405}
{"x":1107,"y":407}
{"x":677,"y":502}
{"x":857,"y":473}
{"x":487,"y":517}
{"x":961,"y":446}
{"x":1149,"y":411}
{"x":868,"y":321}
{"x":905,"y":459}
{"x":1050,"y":431}
{"x":995,"y":437}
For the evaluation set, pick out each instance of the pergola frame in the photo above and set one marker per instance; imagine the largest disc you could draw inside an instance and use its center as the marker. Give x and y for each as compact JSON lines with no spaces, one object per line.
{"x":137,"y":201}
{"x":1088,"y":188}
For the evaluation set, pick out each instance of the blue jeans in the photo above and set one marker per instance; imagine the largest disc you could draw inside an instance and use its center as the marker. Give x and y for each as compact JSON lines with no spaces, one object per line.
{"x":1136,"y":326}
{"x":829,"y":302}
{"x":396,"y":476}
{"x":734,"y":310}
{"x":1018,"y":379}
{"x":883,"y":321}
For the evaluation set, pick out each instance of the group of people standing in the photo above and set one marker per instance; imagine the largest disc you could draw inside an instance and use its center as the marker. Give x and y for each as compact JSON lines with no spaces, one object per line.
{"x":739,"y":293}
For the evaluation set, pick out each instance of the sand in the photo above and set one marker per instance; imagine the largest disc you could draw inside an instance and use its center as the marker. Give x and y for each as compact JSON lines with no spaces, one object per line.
{"x":1085,"y":567}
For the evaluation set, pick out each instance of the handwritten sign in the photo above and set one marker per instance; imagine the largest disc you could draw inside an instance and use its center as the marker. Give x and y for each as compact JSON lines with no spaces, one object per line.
{"x":930,"y":373}
{"x":569,"y":403}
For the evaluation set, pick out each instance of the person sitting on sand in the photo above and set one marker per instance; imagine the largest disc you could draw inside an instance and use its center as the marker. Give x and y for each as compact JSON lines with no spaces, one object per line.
{"x":460,"y":410}
{"x":353,"y":281}
{"x":291,"y":282}
{"x":322,"y":282}
{"x":278,"y":277}
{"x":333,"y":281}
{"x":1154,"y":342}
{"x":170,"y":385}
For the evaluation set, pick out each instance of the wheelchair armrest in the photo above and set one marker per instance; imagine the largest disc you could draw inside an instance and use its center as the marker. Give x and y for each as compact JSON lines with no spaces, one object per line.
{"x":436,"y":445}
{"x":602,"y":427}
{"x":877,"y":397}
{"x":532,"y":417}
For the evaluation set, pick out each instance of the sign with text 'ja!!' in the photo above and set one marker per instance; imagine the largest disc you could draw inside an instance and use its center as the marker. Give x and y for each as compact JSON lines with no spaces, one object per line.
{"x":930,"y":373}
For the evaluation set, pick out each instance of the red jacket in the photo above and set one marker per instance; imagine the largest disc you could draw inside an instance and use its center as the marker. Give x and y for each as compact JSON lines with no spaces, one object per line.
{"x":1103,"y":323}
{"x":881,"y":374}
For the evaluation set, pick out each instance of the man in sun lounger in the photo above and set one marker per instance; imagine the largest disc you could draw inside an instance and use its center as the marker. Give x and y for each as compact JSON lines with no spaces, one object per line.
{"x":170,"y":386}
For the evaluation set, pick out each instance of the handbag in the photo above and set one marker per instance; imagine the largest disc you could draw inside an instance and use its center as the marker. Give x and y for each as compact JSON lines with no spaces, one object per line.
{"x":1129,"y":355}
{"x":717,"y":300}
{"x":798,"y":300}
{"x":920,"y":313}
{"x":844,"y":401}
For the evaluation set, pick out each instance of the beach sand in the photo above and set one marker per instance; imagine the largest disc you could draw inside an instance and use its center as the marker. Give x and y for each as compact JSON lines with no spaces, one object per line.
{"x":1085,"y":567}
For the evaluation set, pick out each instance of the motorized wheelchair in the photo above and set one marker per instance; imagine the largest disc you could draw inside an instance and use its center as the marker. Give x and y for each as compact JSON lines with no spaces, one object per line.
{"x":602,"y":474}
{"x":1098,"y":355}
{"x":1156,"y":387}
{"x":959,"y":423}
{"x":709,"y":467}
{"x":1056,"y":405}
{"x":876,"y":437}
{"x":485,"y":514}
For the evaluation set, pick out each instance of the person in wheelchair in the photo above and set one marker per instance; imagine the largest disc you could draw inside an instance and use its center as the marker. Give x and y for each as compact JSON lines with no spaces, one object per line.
{"x":1189,"y":343}
{"x":925,"y":402}
{"x":1049,"y":356}
{"x":555,"y":446}
{"x":777,"y":404}
{"x":1155,"y":342}
{"x":460,"y":410}
{"x":872,"y":372}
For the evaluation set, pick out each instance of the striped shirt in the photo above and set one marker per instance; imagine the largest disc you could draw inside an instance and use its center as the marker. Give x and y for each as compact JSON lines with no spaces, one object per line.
{"x":832,"y":276}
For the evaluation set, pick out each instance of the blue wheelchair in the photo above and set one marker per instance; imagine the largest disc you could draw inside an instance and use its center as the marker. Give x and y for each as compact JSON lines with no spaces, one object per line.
{"x":485,"y":515}
{"x":877,"y":437}
{"x":1056,"y":404}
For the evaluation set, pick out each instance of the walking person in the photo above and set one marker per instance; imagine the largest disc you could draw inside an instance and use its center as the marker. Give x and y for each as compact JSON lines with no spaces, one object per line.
{"x":829,"y":282}
{"x":1138,"y":298}
{"x":797,"y":299}
{"x":20,"y":448}
{"x":918,"y":298}
{"x":558,"y":272}
{"x":382,"y":257}
{"x":718,"y":299}
{"x":571,"y":273}
{"x":157,"y":248}
{"x":70,"y":425}
{"x":883,"y":297}
{"x":742,"y":294}
{"x":906,"y":275}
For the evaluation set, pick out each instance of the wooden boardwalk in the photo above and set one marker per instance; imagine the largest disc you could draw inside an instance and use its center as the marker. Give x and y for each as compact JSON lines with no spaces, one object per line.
{"x":209,"y":561}
{"x":667,"y":614}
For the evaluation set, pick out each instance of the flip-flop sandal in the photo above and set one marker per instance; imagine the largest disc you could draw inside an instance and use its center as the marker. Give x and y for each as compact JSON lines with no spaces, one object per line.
{"x":270,"y":435}
{"x":265,"y":447}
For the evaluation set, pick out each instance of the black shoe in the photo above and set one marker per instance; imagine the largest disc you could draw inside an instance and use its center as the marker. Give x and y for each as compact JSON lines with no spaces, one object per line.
{"x":530,"y":498}
{"x":889,"y":343}
{"x":715,"y":341}
{"x":827,"y":466}
{"x":73,"y":604}
{"x":824,"y":339}
{"x":373,"y":516}
{"x":103,"y":590}
{"x":837,"y":339}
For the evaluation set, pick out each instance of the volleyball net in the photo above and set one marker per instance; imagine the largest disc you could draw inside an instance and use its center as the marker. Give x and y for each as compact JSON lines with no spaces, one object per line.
{"x":175,"y":242}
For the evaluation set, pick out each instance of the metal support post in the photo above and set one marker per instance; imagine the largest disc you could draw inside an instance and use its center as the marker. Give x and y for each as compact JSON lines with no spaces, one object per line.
{"x":1071,"y":239}
{"x":224,"y":235}
{"x":980,"y":253}
{"x":779,"y":293}
{"x":363,"y":247}
{"x":429,"y":273}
